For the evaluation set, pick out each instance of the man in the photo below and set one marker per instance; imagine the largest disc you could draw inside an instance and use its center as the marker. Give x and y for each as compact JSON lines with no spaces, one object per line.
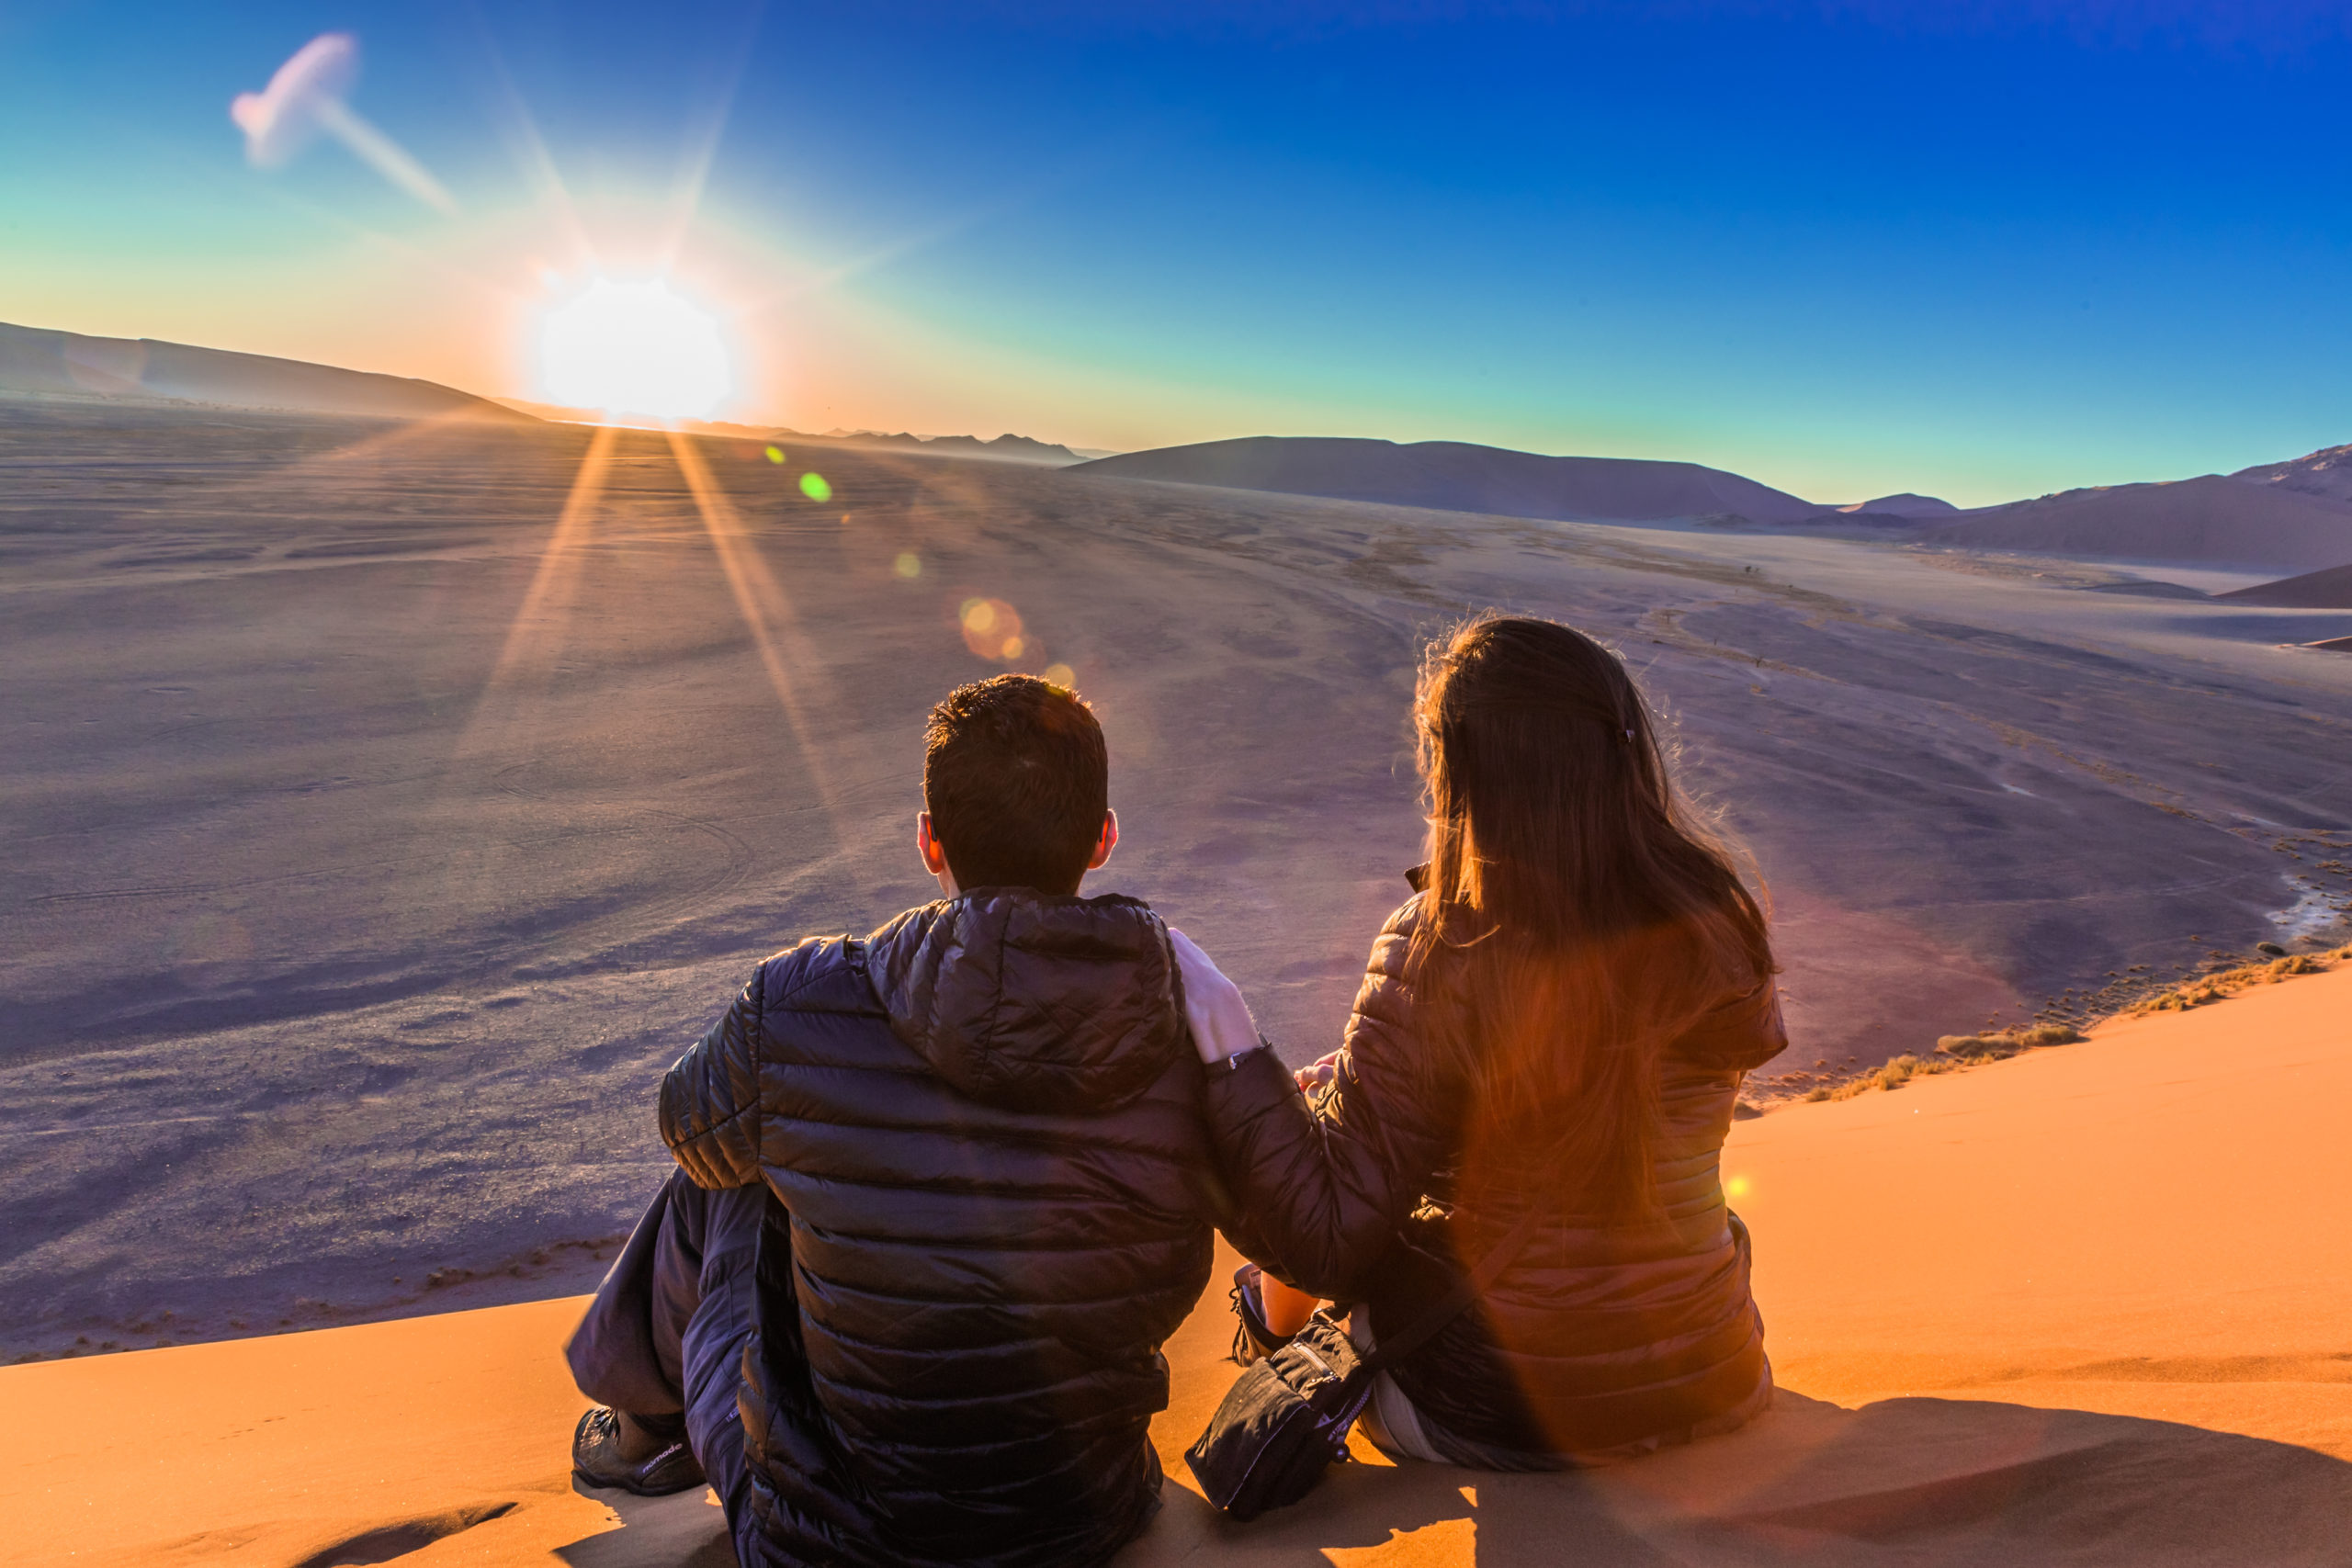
{"x":942,"y":1194}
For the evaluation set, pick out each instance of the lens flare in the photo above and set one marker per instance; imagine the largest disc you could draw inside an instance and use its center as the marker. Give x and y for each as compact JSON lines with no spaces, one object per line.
{"x":776,"y":454}
{"x":813,"y":486}
{"x":909,"y":564}
{"x":638,"y":348}
{"x":992,"y":629}
{"x":1060,"y":675}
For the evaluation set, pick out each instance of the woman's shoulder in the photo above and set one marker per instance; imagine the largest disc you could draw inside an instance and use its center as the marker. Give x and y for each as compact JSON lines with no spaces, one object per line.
{"x":1391,"y":947}
{"x":1742,"y":1029}
{"x":1385,"y":997}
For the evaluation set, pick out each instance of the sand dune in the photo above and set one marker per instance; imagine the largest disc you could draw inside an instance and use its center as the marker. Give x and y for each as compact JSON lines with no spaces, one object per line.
{"x":2328,"y":589}
{"x":2212,"y":519}
{"x":37,"y":362}
{"x":1905,"y":504}
{"x":2028,"y":1314}
{"x":375,"y":832}
{"x":1458,"y":477}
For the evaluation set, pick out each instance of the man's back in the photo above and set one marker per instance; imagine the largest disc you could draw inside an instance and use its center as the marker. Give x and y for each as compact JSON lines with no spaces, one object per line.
{"x":984,"y":1125}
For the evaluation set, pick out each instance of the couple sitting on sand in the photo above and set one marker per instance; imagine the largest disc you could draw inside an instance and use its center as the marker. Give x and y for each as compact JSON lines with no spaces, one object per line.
{"x":942,"y":1192}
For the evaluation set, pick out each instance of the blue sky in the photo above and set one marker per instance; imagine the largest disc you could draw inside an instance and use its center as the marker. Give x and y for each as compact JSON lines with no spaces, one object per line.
{"x":1981,"y":250}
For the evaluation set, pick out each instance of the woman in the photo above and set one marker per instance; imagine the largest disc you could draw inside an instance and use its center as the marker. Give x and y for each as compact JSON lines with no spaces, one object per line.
{"x":1560,"y":1019}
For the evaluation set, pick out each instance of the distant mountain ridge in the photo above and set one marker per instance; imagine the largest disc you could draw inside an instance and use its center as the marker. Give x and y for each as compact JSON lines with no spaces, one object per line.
{"x":2288,"y":517}
{"x":1457,"y":476}
{"x":45,"y":363}
{"x":2293,"y":517}
{"x":1008,"y":448}
{"x":1018,"y":448}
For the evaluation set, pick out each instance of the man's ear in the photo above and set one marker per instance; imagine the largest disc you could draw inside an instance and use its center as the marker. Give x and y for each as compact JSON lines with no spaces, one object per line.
{"x":1106,"y":843}
{"x":934,"y":859}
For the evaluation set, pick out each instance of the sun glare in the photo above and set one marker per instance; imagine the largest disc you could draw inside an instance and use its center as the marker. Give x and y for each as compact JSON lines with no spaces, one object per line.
{"x":638,"y":348}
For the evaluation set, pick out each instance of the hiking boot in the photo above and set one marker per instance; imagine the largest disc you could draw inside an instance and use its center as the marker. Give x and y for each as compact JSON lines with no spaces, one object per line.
{"x":596,"y":1459}
{"x":1252,"y":1340}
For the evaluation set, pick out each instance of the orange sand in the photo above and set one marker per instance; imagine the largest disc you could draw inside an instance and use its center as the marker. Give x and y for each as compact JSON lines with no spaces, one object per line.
{"x":2121,"y":1271}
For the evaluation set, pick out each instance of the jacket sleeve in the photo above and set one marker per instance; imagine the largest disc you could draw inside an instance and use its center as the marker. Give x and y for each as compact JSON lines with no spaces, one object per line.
{"x":710,"y":1097}
{"x":1322,"y":1189}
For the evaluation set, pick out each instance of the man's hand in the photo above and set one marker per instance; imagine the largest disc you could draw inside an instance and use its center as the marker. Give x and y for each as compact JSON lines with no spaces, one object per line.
{"x":1222,"y":1027}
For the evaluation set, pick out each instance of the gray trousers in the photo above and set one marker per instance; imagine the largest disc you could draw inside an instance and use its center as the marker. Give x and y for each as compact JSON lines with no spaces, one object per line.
{"x":663,"y":1340}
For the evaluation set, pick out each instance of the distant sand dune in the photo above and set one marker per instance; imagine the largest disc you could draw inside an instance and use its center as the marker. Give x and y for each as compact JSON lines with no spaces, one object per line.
{"x":2328,"y":589}
{"x":1457,"y":477}
{"x":1907,"y":504}
{"x":2213,"y":519}
{"x":41,"y":363}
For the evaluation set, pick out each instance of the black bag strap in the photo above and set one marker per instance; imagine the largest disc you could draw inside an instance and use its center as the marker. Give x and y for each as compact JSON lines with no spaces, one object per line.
{"x":1387,"y":1350}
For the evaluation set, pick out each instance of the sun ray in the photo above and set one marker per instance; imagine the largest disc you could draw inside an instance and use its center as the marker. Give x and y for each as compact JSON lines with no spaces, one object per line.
{"x":533,"y":153}
{"x":346,"y":461}
{"x":376,"y":444}
{"x":695,"y":172}
{"x":547,"y":604}
{"x":766,"y":610}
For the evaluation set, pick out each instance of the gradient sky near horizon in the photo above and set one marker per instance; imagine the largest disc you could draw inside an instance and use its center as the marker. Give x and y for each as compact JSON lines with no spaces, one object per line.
{"x":1977,"y":249}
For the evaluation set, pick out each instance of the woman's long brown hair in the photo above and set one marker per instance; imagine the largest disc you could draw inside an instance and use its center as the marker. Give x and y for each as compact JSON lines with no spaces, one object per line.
{"x":1576,"y":919}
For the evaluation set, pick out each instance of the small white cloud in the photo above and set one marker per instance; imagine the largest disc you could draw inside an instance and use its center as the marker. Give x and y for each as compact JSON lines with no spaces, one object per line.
{"x":309,"y":94}
{"x":280,"y":119}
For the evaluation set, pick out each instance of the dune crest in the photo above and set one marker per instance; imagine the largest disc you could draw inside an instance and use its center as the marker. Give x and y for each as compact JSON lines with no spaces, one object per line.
{"x":37,"y":362}
{"x":2326,"y":472}
{"x":1907,"y":504}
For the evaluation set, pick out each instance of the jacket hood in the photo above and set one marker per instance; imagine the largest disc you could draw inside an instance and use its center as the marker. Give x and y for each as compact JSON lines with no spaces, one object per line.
{"x":1030,"y":1001}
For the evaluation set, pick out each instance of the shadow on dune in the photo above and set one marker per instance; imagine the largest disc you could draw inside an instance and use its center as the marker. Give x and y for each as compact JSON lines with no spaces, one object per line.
{"x":1909,"y":1480}
{"x":686,"y":1530}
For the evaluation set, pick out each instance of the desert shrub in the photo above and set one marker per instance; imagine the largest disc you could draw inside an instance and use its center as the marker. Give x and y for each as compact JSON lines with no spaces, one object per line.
{"x":2003,"y":1042}
{"x":1892,"y":1075}
{"x":2213,"y":987}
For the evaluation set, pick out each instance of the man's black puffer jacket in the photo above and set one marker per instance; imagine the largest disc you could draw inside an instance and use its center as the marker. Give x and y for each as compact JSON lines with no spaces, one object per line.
{"x":985,"y":1120}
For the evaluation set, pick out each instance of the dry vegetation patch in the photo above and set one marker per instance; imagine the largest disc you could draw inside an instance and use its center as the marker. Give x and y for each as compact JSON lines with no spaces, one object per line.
{"x":2214,"y":987}
{"x":1955,"y":1051}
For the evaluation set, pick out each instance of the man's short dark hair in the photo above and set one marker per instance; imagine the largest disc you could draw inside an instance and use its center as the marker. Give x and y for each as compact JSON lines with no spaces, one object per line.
{"x":1016,"y":778}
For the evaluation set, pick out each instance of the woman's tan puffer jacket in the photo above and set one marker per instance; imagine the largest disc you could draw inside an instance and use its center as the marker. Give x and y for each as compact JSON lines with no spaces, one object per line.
{"x":1604,"y":1335}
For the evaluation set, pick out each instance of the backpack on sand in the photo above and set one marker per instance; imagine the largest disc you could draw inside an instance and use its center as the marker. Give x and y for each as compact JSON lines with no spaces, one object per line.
{"x":1286,"y":1418}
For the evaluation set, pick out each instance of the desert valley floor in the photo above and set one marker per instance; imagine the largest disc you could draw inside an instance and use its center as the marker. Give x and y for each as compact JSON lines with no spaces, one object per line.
{"x":387,"y":804}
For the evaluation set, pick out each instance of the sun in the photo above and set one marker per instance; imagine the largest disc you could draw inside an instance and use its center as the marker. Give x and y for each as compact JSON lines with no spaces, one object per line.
{"x":640,"y":348}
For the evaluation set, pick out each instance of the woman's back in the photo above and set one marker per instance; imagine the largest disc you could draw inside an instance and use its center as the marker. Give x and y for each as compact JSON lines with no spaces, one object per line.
{"x":1556,"y":1026}
{"x":1611,"y":1328}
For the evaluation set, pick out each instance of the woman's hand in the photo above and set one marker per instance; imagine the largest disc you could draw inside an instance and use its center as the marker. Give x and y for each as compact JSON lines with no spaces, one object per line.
{"x":1317,"y":1073}
{"x":1222,"y":1027}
